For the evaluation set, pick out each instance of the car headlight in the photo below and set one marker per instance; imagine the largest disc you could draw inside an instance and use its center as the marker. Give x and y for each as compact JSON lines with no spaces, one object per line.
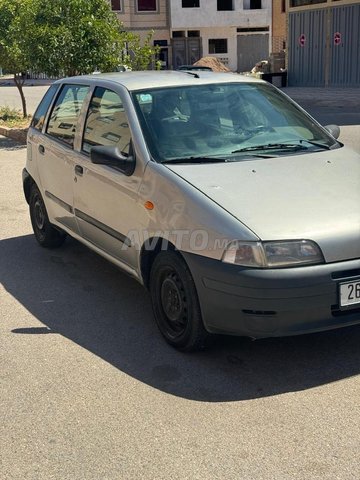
{"x":273,"y":254}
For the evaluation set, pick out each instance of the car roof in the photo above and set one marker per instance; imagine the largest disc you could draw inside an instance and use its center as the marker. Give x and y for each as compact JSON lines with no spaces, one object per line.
{"x":165,"y":78}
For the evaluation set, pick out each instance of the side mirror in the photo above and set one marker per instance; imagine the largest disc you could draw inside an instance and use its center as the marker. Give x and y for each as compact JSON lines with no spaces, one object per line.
{"x":334,"y":130}
{"x":112,"y":157}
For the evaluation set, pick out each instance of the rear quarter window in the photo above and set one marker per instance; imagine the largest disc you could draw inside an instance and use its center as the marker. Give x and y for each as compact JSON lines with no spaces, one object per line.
{"x":40,"y":114}
{"x":65,"y":113}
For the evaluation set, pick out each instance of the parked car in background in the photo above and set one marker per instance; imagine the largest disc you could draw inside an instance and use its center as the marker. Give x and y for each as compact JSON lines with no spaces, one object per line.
{"x":233,"y":206}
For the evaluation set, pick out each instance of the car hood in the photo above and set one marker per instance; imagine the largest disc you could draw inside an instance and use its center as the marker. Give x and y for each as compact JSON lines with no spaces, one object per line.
{"x":313,"y":196}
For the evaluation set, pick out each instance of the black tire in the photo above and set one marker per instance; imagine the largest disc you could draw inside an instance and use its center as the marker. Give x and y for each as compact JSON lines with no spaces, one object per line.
{"x":45,"y":233}
{"x":175,"y":303}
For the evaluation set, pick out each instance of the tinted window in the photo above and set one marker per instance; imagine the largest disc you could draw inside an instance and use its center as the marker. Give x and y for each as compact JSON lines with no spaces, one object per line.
{"x":116,"y":5}
{"x":106,"y":122}
{"x":39,"y":117}
{"x":300,"y":3}
{"x":65,"y":113}
{"x":225,"y":5}
{"x":190,"y":3}
{"x":218,"y":45}
{"x":253,"y":4}
{"x":146,"y":5}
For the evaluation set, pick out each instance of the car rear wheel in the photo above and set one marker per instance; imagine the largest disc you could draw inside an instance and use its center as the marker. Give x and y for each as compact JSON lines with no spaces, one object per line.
{"x":175,"y":303}
{"x":45,"y":233}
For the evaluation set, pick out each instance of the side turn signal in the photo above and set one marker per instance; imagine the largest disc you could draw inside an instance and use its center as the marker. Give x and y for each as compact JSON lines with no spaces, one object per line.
{"x":149,"y":205}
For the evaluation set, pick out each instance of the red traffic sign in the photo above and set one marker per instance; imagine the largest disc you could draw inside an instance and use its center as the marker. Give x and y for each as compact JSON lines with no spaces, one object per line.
{"x":337,"y":38}
{"x":302,"y":40}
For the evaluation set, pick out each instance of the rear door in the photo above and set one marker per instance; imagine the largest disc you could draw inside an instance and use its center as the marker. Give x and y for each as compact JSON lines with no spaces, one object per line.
{"x":56,"y":156}
{"x":34,"y":137}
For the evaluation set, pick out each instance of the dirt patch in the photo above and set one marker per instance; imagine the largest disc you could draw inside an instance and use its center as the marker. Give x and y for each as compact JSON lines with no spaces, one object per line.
{"x":213,"y":63}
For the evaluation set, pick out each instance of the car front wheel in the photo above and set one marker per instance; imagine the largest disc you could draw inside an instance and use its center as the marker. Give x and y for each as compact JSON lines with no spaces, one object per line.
{"x":175,"y":303}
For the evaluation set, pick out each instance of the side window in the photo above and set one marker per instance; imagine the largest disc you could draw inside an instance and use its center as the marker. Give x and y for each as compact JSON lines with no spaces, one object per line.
{"x":106,"y":122}
{"x":65,"y":113}
{"x":39,"y":117}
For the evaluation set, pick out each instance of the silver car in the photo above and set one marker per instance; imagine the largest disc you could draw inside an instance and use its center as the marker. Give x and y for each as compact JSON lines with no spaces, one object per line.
{"x":235,"y":208}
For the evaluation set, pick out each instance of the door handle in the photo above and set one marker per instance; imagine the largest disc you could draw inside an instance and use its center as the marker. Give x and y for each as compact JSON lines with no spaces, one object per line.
{"x":42,"y":149}
{"x":79,"y":170}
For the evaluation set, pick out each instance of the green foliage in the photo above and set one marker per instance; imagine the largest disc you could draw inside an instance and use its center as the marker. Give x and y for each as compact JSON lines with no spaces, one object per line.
{"x":7,"y":113}
{"x":13,"y":43}
{"x":11,"y":117}
{"x":139,"y":56}
{"x":73,"y":37}
{"x":68,"y":37}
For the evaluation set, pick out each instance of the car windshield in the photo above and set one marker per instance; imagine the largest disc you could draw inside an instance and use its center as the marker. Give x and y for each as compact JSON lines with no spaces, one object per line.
{"x":226,"y":120}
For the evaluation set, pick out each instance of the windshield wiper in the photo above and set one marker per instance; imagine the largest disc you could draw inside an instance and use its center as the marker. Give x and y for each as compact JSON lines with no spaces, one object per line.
{"x":197,"y":160}
{"x":284,"y":146}
{"x":317,"y":144}
{"x":215,"y":159}
{"x":272,"y":146}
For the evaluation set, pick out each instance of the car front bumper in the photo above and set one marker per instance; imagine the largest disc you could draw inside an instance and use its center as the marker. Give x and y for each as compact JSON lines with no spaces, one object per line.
{"x":272,"y":302}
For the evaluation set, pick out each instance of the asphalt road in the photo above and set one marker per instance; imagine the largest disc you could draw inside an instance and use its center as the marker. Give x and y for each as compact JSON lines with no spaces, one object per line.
{"x":329,"y":105}
{"x":90,"y":391}
{"x":9,"y":95}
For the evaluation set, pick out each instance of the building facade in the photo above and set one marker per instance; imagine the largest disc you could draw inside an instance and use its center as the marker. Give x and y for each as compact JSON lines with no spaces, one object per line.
{"x":324,"y":43}
{"x":279,"y":29}
{"x":240,"y":33}
{"x":237,"y":32}
{"x":142,"y":16}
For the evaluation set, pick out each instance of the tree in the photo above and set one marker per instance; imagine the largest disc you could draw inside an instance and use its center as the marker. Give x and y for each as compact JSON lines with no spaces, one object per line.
{"x":65,"y":38}
{"x":72,"y":37}
{"x":13,"y":48}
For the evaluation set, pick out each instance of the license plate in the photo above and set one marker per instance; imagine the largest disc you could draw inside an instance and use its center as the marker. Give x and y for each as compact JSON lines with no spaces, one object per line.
{"x":350,"y":293}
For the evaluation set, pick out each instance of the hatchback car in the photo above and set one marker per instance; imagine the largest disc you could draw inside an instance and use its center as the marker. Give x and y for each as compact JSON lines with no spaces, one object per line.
{"x":233,"y":206}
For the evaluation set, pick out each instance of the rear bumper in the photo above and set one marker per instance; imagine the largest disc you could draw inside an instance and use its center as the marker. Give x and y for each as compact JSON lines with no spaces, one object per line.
{"x":270,"y":303}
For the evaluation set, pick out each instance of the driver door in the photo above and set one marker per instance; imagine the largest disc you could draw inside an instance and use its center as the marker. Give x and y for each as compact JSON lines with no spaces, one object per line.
{"x":105,"y":200}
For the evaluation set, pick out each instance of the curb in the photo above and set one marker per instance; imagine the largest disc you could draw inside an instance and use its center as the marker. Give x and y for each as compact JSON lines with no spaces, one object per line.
{"x":17,"y":134}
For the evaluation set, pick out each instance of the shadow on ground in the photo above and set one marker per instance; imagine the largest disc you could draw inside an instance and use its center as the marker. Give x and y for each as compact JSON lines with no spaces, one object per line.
{"x":75,"y":293}
{"x":9,"y":144}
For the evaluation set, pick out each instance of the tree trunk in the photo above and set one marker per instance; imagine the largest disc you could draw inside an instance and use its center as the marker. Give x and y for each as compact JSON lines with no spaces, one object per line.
{"x":19,"y":82}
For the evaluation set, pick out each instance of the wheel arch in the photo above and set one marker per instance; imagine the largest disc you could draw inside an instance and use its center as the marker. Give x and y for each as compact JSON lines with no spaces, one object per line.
{"x":149,"y":250}
{"x":28,"y":182}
